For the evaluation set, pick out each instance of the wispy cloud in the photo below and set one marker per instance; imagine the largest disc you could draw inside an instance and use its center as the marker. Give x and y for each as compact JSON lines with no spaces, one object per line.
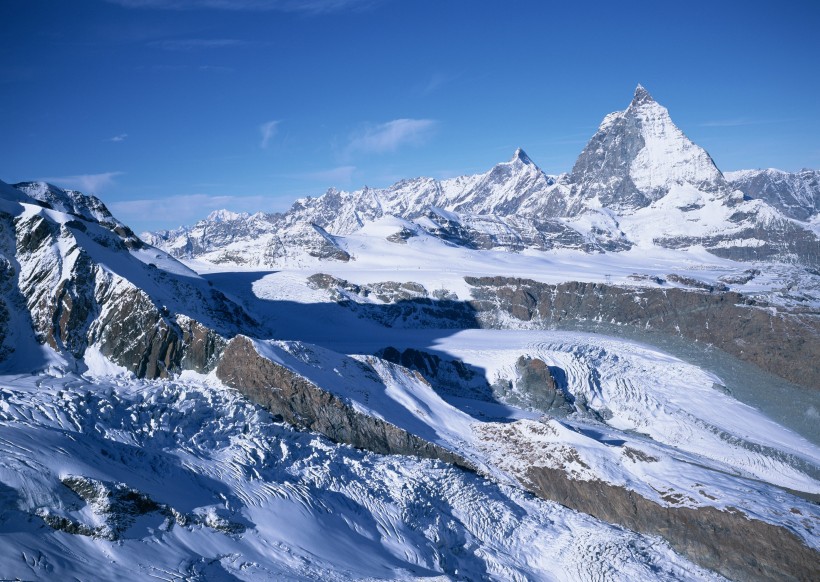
{"x":86,"y":183}
{"x":306,"y":6}
{"x":268,"y":130}
{"x":195,"y":44}
{"x":739,"y":122}
{"x":338,"y":175}
{"x":184,"y":209}
{"x":388,"y":137}
{"x":434,"y":84}
{"x":118,"y":138}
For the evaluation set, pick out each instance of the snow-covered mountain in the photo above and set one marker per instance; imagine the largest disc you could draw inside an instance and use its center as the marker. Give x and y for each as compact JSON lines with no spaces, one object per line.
{"x":796,"y":195}
{"x":639,"y":181}
{"x":637,"y":157}
{"x":507,"y":376}
{"x":76,"y":279}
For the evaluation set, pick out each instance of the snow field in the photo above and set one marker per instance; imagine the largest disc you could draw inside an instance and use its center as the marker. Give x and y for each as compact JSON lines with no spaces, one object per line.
{"x":263,"y":501}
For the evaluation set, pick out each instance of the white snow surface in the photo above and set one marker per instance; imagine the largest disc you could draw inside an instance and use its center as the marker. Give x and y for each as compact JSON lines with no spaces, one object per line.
{"x":435,"y":264}
{"x":235,"y":496}
{"x":668,"y":156}
{"x":709,"y":448}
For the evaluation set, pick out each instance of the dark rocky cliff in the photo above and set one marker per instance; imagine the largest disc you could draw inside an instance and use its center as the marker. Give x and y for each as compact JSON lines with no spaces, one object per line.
{"x":781,"y":342}
{"x":727,"y":542}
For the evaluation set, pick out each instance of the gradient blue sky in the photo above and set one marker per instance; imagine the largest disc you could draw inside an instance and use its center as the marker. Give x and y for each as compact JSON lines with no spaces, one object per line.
{"x":168,"y":109}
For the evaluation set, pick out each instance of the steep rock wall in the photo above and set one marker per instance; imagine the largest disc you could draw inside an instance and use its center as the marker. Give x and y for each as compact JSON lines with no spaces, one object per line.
{"x":783,"y":343}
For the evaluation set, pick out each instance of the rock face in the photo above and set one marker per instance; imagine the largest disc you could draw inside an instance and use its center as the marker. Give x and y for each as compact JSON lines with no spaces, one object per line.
{"x":724,"y":541}
{"x":115,"y":508}
{"x":536,"y":387}
{"x":300,"y":402}
{"x":405,"y":305}
{"x":796,"y":195}
{"x":636,"y":156}
{"x":783,"y":343}
{"x":537,"y":382}
{"x":72,"y":278}
{"x":446,"y":375}
{"x":84,"y":206}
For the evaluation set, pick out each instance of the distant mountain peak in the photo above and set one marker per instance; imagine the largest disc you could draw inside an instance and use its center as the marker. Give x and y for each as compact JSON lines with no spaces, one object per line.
{"x":521,"y":156}
{"x":641,"y":96}
{"x":224,"y":215}
{"x":638,"y":154}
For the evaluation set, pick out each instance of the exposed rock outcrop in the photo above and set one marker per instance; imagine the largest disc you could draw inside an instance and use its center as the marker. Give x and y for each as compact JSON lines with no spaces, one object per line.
{"x":116,"y":507}
{"x":781,"y":342}
{"x":79,"y":285}
{"x":300,"y":402}
{"x":538,"y":388}
{"x":728,"y":542}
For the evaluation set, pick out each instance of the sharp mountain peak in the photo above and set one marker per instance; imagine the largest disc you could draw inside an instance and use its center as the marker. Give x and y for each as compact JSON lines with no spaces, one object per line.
{"x":521,"y":156}
{"x":641,"y":96}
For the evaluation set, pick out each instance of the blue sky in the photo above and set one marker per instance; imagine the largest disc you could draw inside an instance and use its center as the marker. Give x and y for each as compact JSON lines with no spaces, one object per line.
{"x":168,"y":109}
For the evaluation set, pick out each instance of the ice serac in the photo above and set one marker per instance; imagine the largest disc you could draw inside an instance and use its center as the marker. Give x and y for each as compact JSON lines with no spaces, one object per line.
{"x":636,"y":156}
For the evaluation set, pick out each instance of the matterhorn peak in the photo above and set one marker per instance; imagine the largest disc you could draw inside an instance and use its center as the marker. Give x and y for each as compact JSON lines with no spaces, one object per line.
{"x":638,"y":154}
{"x":521,"y":156}
{"x":641,"y":96}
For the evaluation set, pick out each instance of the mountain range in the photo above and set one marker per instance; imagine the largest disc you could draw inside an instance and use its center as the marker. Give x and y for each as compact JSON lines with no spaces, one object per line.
{"x":604,"y":374}
{"x":639,"y":182}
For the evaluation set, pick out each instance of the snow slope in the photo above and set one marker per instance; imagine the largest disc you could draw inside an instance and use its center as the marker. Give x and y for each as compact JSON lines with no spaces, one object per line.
{"x":226,"y":494}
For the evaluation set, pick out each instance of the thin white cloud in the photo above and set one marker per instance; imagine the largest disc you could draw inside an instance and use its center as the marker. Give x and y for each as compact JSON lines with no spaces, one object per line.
{"x":435,"y":82}
{"x":268,"y":130}
{"x":388,"y":137}
{"x":184,"y":209}
{"x":86,"y":183}
{"x":193,"y":44}
{"x":739,"y":122}
{"x":306,"y":6}
{"x":338,"y":175}
{"x":118,"y":138}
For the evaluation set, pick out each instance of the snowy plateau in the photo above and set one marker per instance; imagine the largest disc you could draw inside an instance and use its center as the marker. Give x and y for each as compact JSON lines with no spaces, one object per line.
{"x":608,"y":374}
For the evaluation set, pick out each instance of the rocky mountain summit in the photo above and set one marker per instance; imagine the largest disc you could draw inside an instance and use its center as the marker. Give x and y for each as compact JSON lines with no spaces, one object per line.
{"x":635,"y":158}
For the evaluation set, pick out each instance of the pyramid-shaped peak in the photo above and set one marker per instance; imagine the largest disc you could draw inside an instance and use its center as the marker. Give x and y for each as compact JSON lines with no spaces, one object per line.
{"x":521,"y":156}
{"x":641,"y":96}
{"x":637,"y":155}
